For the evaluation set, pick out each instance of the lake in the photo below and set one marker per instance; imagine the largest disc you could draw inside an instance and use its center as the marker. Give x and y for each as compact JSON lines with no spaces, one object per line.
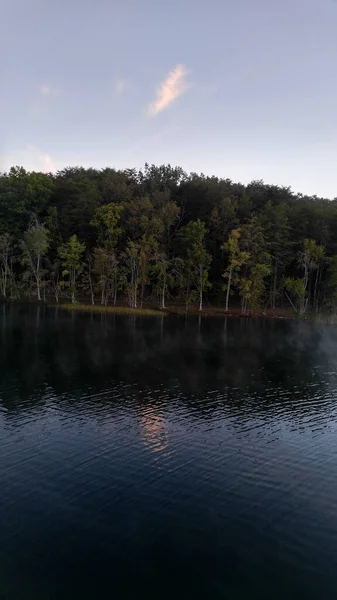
{"x":166,"y":457}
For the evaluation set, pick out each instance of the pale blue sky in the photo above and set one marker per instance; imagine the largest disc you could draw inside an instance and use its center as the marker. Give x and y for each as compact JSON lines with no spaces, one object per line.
{"x":245,"y":89}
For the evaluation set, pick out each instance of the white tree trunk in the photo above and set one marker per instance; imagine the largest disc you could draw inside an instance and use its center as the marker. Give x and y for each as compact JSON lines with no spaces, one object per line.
{"x":200,"y":299}
{"x":228,"y":289}
{"x":162,"y":304}
{"x":200,"y":286}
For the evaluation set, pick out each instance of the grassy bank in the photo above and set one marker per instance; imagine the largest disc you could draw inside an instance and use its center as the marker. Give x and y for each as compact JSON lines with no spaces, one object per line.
{"x":213,"y":311}
{"x":180,"y":310}
{"x":122,"y":310}
{"x":174,"y":310}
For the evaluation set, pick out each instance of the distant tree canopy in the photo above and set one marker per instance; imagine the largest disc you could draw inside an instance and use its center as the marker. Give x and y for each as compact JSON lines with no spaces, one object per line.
{"x":160,"y":234}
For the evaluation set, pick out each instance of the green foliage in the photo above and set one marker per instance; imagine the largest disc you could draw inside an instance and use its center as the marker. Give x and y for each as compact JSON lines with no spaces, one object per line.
{"x":106,"y":220}
{"x":71,"y":254}
{"x":249,"y":264}
{"x":198,"y":260}
{"x":297,"y":289}
{"x":312,"y":253}
{"x":295,"y":286}
{"x":236,"y":260}
{"x":162,"y":232}
{"x":34,"y":247}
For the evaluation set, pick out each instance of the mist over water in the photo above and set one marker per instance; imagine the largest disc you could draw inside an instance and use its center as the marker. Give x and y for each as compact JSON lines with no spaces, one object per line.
{"x":166,"y":457}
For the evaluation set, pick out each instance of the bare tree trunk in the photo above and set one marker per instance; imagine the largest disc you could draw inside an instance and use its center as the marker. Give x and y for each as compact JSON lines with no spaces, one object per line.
{"x":72,"y":283}
{"x":187,"y":297}
{"x":11,"y":281}
{"x":228,"y":289}
{"x":133,"y":295}
{"x":107,"y":294}
{"x":292,"y":304}
{"x":142,"y":296}
{"x":134,"y":283}
{"x":305,"y":285}
{"x":91,"y":288}
{"x":162,"y":304}
{"x":200,"y":286}
{"x":200,"y":298}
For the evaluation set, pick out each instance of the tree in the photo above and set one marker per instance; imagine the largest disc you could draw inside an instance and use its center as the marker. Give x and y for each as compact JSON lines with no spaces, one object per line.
{"x":132,"y":260}
{"x":223,"y":219}
{"x":275,"y":223}
{"x":311,"y":259}
{"x":106,"y":267}
{"x":106,"y":263}
{"x":148,"y":247}
{"x":295,"y":286}
{"x":71,"y":254}
{"x":55,"y":278}
{"x":169,"y":216}
{"x":256,"y":266}
{"x":89,"y":266}
{"x":236,"y":260}
{"x":106,"y":220}
{"x":166,"y":273}
{"x":308,"y":259}
{"x":23,"y":196}
{"x":197,"y":259}
{"x":77,"y":196}
{"x":160,"y":230}
{"x":34,"y":247}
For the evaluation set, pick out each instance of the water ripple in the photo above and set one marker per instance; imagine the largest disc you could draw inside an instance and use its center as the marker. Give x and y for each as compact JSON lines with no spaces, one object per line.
{"x":168,"y":452}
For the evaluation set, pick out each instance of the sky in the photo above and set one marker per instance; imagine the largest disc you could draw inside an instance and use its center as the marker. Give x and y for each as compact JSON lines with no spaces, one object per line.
{"x":244,"y":89}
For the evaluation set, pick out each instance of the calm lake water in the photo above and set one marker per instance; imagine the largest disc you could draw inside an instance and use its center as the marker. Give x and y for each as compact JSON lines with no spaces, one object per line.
{"x":166,"y":458}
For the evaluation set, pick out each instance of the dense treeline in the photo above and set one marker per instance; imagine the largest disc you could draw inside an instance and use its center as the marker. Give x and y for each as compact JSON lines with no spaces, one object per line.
{"x":159,"y":234}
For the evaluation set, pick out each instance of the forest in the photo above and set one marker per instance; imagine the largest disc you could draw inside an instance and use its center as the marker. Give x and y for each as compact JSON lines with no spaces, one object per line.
{"x":162,"y":236}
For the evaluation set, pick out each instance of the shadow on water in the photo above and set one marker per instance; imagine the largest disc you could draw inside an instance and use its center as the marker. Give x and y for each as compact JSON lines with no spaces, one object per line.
{"x":161,"y":458}
{"x":43,"y":350}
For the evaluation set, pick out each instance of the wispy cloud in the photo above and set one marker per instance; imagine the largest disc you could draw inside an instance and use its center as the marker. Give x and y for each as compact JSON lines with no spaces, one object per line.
{"x":47,"y":90}
{"x":121,"y":85}
{"x":31,"y":158}
{"x":170,"y":89}
{"x":40,"y":161}
{"x":48,"y":165}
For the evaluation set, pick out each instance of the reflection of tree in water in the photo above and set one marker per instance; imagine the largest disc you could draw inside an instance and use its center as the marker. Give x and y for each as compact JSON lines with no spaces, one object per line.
{"x":68,"y":355}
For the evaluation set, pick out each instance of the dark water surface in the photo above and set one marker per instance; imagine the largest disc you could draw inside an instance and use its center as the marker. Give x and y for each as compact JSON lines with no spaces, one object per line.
{"x":165,"y":458}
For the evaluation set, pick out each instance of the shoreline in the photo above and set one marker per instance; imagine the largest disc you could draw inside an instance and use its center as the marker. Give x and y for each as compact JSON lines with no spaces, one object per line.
{"x":98,"y":308}
{"x":209,"y":312}
{"x":149,"y":310}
